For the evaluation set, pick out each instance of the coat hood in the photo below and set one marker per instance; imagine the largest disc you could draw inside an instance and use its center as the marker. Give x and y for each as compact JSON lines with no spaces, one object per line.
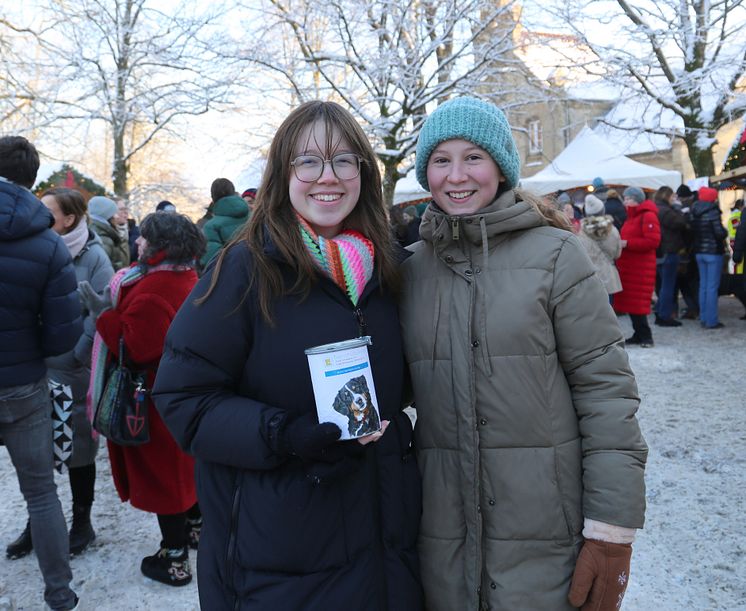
{"x":502,"y":216}
{"x":105,"y":229}
{"x":597,"y":227}
{"x":646,"y":206}
{"x":701,"y":208}
{"x":21,"y":214}
{"x":231,"y":205}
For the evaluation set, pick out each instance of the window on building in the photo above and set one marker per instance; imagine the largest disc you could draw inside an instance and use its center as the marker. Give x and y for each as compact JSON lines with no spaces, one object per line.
{"x":535,"y":140}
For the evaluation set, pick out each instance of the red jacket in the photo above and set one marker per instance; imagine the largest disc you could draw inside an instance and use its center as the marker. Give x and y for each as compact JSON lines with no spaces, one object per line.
{"x":637,"y":264}
{"x":157,"y":476}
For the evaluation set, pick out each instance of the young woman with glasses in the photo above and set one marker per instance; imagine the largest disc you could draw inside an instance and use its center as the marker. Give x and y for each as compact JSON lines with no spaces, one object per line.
{"x":294,"y":518}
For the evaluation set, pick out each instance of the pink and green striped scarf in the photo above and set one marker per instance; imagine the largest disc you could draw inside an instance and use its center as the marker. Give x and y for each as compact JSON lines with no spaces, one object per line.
{"x":347,"y":258}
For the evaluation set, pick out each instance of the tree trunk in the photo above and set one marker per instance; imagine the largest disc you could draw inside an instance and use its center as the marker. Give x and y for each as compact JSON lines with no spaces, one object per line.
{"x":390,"y":178}
{"x":701,"y":158}
{"x":119,"y":169}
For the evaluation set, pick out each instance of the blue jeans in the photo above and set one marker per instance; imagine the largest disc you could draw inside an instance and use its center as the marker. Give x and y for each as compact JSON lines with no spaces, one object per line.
{"x":666,"y":296}
{"x":710,"y":268}
{"x":26,"y":429}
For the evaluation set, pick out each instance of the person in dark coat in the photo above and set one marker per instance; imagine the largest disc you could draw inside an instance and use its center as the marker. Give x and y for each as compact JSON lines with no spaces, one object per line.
{"x":687,"y":278}
{"x":739,"y":248}
{"x":156,"y":476}
{"x":40,"y":317}
{"x":73,"y":367}
{"x":294,"y":518}
{"x":133,"y":232}
{"x":615,"y":208}
{"x":709,"y":248}
{"x":640,"y":235}
{"x":673,"y":235}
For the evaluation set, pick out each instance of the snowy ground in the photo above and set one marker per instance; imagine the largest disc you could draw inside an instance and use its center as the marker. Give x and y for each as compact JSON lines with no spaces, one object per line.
{"x":691,"y":555}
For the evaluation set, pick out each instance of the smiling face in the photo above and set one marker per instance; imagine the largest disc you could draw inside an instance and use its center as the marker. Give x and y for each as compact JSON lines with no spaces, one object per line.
{"x":325,"y":203}
{"x":463,"y":178}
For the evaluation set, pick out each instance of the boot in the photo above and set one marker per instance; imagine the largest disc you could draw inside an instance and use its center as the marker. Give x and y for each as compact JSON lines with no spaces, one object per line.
{"x":81,"y":531}
{"x":169,"y":566}
{"x":193,"y":530}
{"x":22,"y":546}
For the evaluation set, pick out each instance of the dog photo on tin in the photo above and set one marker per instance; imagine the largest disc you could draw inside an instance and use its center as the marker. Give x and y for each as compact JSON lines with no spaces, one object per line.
{"x":353,"y":401}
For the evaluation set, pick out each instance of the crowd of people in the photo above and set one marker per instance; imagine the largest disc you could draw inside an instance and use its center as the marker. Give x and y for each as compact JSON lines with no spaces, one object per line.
{"x":522,"y":484}
{"x":669,"y":251}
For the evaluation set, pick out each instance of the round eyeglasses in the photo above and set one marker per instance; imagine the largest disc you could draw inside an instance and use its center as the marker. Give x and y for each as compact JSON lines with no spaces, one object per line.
{"x":309,"y":168}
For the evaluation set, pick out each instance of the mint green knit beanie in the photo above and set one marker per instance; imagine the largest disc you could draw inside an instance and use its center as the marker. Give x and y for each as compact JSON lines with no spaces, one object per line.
{"x":477,"y":121}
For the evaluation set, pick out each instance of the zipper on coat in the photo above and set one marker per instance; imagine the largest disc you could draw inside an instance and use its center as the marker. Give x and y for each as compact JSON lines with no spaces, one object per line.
{"x":232,"y":542}
{"x":362,"y":326}
{"x":455,"y":228}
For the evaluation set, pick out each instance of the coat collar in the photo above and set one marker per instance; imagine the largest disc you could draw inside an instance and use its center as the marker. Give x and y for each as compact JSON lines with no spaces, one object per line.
{"x":504,"y":215}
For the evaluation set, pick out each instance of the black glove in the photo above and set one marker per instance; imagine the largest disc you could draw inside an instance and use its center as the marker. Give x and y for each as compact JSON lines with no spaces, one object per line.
{"x":339,"y":460}
{"x":304,"y":437}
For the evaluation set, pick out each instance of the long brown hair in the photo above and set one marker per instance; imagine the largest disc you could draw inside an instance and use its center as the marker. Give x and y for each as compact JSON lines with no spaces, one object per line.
{"x":663,"y":195}
{"x":274,"y":218}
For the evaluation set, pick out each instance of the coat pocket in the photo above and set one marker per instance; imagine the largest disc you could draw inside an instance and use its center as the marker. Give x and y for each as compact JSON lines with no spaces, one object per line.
{"x":523,"y":495}
{"x":287,"y":524}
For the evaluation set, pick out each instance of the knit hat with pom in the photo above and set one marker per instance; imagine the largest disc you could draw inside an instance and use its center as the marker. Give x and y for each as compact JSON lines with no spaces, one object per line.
{"x":471,"y":119}
{"x":593,"y":205}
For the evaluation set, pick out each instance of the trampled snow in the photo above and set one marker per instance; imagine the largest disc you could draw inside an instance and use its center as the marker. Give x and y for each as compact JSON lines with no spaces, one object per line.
{"x":690,"y":555}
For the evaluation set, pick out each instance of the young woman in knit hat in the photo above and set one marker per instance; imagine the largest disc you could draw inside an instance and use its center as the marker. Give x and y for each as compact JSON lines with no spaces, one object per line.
{"x":294,"y":518}
{"x":531,"y":456}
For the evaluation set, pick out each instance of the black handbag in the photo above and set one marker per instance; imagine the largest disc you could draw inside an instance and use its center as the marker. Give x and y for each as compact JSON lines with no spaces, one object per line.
{"x":122,"y":411}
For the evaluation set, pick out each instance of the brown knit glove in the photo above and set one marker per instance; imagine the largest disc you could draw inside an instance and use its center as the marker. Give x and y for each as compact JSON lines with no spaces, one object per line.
{"x":601,"y":576}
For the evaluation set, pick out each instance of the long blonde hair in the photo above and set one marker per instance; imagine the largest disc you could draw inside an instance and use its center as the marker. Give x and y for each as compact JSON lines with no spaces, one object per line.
{"x":274,"y":219}
{"x":550,"y":213}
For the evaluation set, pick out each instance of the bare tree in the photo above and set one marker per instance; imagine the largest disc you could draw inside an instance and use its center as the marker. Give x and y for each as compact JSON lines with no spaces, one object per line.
{"x":682,"y":58}
{"x":134,"y":68}
{"x":387,"y":60}
{"x":17,"y":79}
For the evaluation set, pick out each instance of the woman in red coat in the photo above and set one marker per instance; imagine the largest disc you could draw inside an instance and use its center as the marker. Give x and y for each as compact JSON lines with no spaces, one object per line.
{"x":640,"y":234}
{"x":156,"y":476}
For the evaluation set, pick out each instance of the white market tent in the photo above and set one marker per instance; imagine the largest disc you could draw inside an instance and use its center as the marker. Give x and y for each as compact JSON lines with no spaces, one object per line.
{"x":589,"y":156}
{"x":408,"y":189}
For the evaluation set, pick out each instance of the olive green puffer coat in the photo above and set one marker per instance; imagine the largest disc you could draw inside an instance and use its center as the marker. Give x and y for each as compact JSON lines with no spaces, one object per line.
{"x":525,"y":407}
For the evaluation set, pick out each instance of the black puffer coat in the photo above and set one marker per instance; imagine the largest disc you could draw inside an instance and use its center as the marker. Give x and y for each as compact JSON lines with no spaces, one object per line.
{"x":272,"y":539}
{"x":40,"y":312}
{"x":614,"y":207}
{"x":708,"y":230}
{"x":673,"y":230}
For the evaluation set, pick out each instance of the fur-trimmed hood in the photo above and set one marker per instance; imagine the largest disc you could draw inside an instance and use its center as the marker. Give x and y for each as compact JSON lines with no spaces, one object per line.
{"x":597,"y":227}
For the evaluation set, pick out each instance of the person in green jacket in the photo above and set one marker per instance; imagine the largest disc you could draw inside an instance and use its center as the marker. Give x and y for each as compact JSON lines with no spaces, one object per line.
{"x":531,"y":456}
{"x":229,"y":212}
